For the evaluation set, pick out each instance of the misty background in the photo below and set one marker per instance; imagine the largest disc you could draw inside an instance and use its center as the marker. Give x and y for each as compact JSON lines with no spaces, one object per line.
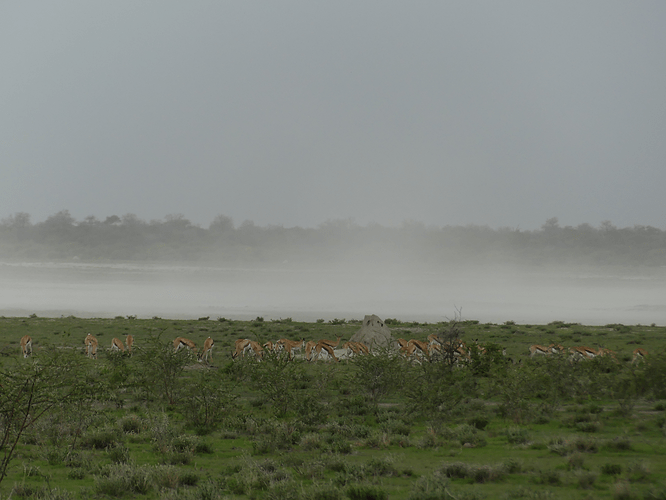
{"x":123,"y":265}
{"x":397,"y":158}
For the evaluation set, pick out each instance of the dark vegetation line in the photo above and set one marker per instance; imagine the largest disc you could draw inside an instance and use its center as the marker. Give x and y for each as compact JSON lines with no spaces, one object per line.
{"x":175,"y":238}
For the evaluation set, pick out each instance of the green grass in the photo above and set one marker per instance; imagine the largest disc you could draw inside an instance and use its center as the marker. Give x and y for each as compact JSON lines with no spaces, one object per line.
{"x":530,"y":430}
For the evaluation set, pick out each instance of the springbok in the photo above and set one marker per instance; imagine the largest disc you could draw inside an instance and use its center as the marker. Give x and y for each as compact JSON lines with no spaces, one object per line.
{"x":117,"y":345}
{"x":639,"y":355}
{"x":180,"y":342}
{"x":583,"y":352}
{"x":26,"y":345}
{"x":91,"y":346}
{"x":433,"y":339}
{"x":324,"y":352}
{"x":354,"y":348}
{"x":330,"y":343}
{"x":270,"y":346}
{"x":421,"y":348}
{"x":310,"y":350}
{"x":207,"y":350}
{"x":241,"y":345}
{"x":403,"y":345}
{"x":291,"y":345}
{"x":539,"y":350}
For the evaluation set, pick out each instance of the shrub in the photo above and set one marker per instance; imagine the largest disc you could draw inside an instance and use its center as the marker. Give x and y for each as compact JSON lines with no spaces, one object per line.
{"x":164,"y":476}
{"x":118,"y":454}
{"x":517,"y":435}
{"x":478,"y":473}
{"x":512,"y":466}
{"x":638,"y":471}
{"x":366,"y":492}
{"x":585,"y":479}
{"x":588,"y":426}
{"x":585,"y":444}
{"x":54,"y":456}
{"x":312,"y":441}
{"x":432,"y":487}
{"x":188,"y":478}
{"x":381,"y":466}
{"x":618,"y":444}
{"x":621,"y":490}
{"x":76,"y":473}
{"x":576,"y":461}
{"x":339,"y":444}
{"x":203,"y":447}
{"x":611,"y":469}
{"x":551,"y":477}
{"x":131,"y":424}
{"x":102,"y":439}
{"x":478,"y":422}
{"x":177,"y":457}
{"x":323,"y":492}
{"x":122,"y":479}
{"x":467,"y":434}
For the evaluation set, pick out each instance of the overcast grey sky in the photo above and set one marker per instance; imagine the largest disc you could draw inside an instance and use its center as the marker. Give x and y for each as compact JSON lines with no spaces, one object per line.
{"x":296,"y":112}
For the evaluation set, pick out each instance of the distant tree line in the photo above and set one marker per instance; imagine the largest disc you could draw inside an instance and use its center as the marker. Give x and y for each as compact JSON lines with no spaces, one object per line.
{"x":127,"y":238}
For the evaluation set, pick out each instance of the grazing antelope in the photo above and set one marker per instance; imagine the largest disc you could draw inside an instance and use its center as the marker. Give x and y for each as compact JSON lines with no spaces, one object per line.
{"x":434,"y":339}
{"x":583,"y":352}
{"x":330,"y":343}
{"x":180,"y":342}
{"x":539,"y":350}
{"x":271,"y":346}
{"x":117,"y":345}
{"x":421,"y":348}
{"x":355,"y":348}
{"x":324,"y":352}
{"x":557,"y":349}
{"x":26,"y":345}
{"x":639,"y":355}
{"x":207,"y":350}
{"x":404,"y":346}
{"x":255,"y":349}
{"x":310,"y":350}
{"x":129,"y":341}
{"x":455,"y":350}
{"x":291,"y":346}
{"x":606,"y":352}
{"x":91,"y":346}
{"x":240,"y":347}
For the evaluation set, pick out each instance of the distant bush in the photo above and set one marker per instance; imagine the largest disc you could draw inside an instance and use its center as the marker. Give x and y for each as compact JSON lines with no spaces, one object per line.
{"x":517,"y":435}
{"x":477,"y":473}
{"x":611,"y":469}
{"x":585,"y":479}
{"x":366,"y":492}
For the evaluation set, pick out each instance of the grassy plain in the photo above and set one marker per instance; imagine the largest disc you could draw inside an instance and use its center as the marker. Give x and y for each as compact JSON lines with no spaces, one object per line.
{"x":503,"y":427}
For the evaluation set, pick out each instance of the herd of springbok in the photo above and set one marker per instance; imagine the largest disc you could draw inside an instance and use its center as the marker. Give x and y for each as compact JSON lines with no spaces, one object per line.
{"x":322,"y":350}
{"x":326,"y":350}
{"x":91,"y":345}
{"x":583,"y":352}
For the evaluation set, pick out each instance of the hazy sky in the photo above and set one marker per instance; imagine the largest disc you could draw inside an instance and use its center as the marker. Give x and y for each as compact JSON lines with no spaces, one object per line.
{"x":296,"y":112}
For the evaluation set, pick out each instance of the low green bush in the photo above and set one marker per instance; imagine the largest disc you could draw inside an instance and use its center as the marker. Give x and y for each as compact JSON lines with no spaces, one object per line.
{"x":366,"y":492}
{"x":611,"y":469}
{"x":517,"y":435}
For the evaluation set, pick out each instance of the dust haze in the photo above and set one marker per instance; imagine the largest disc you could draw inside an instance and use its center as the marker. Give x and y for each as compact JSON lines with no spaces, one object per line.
{"x":486,"y":293}
{"x":172,"y":268}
